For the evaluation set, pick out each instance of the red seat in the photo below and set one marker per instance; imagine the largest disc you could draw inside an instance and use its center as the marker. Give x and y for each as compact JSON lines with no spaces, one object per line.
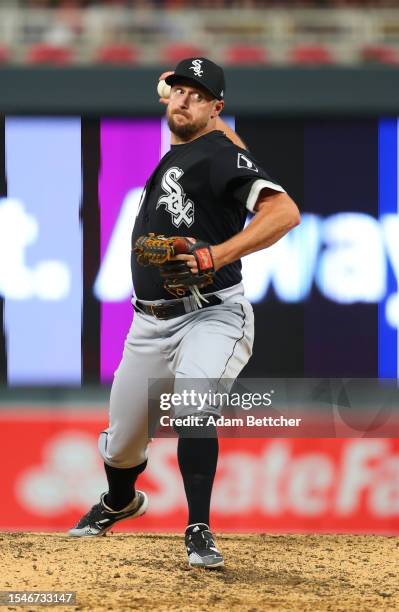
{"x":246,"y":54}
{"x":176,"y":52}
{"x":4,"y":54}
{"x":311,"y":54}
{"x":117,"y":54}
{"x":49,"y":54}
{"x":379,"y":54}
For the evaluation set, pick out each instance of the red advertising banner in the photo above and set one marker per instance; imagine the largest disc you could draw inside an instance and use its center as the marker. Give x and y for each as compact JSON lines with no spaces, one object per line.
{"x":52,"y":473}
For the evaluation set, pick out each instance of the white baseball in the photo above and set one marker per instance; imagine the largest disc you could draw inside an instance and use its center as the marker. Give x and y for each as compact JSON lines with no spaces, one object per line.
{"x":163,"y":89}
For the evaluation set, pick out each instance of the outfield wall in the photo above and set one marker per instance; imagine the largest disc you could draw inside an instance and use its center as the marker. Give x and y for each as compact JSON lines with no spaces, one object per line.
{"x":261,"y":91}
{"x":54,"y":473}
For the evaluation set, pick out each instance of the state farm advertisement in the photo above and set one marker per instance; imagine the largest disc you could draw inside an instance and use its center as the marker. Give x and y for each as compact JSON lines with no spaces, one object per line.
{"x":52,"y":473}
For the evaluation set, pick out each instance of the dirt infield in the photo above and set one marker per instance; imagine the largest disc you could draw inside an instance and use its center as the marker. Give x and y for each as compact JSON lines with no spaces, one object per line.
{"x":150,"y":572}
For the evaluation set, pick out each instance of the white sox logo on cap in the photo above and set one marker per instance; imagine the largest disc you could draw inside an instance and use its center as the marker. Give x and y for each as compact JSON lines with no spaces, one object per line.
{"x":204,"y":71}
{"x":196,"y":66}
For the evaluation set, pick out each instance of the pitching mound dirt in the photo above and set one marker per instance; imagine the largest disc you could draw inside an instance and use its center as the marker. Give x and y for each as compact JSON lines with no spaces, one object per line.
{"x":150,"y":572}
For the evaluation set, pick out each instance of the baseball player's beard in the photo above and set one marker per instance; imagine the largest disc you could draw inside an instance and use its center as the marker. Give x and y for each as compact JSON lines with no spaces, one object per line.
{"x":187,"y":131}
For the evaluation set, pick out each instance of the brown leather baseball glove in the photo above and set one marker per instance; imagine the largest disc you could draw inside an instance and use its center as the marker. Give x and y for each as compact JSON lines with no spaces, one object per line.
{"x":160,"y":251}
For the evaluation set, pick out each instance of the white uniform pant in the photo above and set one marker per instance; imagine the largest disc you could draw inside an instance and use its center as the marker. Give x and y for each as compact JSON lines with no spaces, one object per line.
{"x":210,"y":343}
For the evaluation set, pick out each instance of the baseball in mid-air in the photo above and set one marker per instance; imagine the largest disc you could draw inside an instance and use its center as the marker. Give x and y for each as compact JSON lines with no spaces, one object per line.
{"x":163,"y":89}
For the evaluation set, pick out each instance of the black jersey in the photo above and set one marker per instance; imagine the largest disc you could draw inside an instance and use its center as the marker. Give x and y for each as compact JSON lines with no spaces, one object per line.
{"x":202,"y":189}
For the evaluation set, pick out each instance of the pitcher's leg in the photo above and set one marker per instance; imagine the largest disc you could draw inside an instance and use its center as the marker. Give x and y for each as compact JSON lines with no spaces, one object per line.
{"x":121,"y":484}
{"x":216,"y":347}
{"x":124,"y":443}
{"x":197,"y":458}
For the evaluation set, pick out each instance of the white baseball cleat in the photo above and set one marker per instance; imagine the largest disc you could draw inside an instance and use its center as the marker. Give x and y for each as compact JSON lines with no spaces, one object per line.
{"x":101,"y":518}
{"x":201,"y":548}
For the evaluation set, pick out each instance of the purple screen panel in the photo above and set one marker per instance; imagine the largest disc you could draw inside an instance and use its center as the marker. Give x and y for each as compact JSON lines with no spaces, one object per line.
{"x":130,"y":150}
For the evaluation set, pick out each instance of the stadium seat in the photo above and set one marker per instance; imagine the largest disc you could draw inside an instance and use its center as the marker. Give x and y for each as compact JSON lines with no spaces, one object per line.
{"x":49,"y":54}
{"x":246,"y":54}
{"x":311,"y":54}
{"x":176,"y":52}
{"x":4,"y":54}
{"x":117,"y":54}
{"x":379,"y":54}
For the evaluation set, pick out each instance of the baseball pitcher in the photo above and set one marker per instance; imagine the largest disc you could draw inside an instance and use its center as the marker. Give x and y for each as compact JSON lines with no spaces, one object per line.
{"x":191,"y":318}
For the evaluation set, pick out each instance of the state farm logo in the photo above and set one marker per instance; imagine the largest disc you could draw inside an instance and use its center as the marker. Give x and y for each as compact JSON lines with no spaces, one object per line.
{"x":352,"y":479}
{"x":70,"y":476}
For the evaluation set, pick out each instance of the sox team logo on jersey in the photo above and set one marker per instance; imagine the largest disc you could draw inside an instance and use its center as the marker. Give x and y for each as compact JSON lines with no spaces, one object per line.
{"x":176,"y":203}
{"x":196,"y":66}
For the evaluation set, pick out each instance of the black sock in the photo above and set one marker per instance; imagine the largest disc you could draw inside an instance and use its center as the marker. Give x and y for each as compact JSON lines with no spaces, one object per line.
{"x":197,"y":459}
{"x":121,"y":483}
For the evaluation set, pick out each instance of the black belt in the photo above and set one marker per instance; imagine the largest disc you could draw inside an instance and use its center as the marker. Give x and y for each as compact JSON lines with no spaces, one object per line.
{"x":169,"y":311}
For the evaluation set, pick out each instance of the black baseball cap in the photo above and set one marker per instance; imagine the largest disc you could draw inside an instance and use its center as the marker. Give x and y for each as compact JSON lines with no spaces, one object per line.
{"x":202,"y":71}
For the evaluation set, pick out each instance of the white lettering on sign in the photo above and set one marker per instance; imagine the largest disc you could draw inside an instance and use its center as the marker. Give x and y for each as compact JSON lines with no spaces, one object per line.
{"x":114,"y":279}
{"x":359,"y":463}
{"x":46,"y":280}
{"x":352,"y":266}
